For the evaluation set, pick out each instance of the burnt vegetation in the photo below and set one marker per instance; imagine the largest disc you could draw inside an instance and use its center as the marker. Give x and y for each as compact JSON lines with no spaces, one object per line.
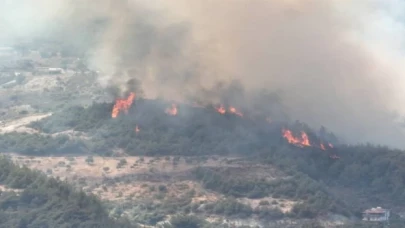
{"x":343,"y":185}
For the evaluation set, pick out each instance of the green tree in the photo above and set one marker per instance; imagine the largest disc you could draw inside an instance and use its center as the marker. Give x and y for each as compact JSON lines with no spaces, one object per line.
{"x":186,"y":221}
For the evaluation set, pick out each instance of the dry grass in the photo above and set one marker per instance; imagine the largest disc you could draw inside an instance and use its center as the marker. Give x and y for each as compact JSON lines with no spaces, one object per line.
{"x":140,"y":178}
{"x":20,"y":125}
{"x":77,"y":169}
{"x":283,"y":204}
{"x":107,"y":167}
{"x":39,"y":83}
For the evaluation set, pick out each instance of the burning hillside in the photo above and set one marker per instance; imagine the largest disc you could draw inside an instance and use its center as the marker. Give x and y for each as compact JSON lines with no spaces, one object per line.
{"x":298,"y":141}
{"x":122,"y":105}
{"x":151,"y":114}
{"x":303,"y":141}
{"x":155,"y":126}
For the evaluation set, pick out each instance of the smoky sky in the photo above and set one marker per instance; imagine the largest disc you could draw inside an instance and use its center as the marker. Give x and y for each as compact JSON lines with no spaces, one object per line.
{"x":332,"y":63}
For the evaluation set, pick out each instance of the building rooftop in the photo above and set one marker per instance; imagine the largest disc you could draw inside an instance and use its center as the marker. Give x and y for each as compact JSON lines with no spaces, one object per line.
{"x":377,"y":210}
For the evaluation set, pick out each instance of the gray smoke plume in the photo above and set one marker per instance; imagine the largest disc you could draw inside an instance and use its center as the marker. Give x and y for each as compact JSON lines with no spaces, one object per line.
{"x":333,"y":63}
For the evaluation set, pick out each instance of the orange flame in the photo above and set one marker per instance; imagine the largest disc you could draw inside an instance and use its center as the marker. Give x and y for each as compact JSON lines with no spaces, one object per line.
{"x":221,"y":109}
{"x":305,"y":139}
{"x":287,"y":134}
{"x":234,"y":111}
{"x":172,"y":110}
{"x":122,"y":105}
{"x":137,"y":129}
{"x":301,"y":142}
{"x":330,"y":145}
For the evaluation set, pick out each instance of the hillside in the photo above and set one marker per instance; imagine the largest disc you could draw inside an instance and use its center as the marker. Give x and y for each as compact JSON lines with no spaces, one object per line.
{"x":274,"y":176}
{"x":156,"y":161}
{"x":29,"y":199}
{"x":148,"y":189}
{"x":201,"y":114}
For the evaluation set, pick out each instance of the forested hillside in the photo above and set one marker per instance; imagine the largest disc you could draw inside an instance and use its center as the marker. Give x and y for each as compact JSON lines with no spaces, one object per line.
{"x":148,"y":130}
{"x":339,"y":179}
{"x":29,"y":199}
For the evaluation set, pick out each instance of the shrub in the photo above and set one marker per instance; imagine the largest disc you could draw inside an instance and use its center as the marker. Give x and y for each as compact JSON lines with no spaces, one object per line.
{"x":264,"y":203}
{"x":186,"y":221}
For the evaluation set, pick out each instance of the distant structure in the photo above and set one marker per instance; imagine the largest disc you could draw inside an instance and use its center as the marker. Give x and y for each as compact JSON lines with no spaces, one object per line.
{"x":50,"y":70}
{"x":55,"y":71}
{"x":377,"y":214}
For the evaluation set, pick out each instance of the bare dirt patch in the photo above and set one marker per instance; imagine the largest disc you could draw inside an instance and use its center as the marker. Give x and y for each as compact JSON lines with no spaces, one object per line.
{"x":39,"y":83}
{"x":20,"y":125}
{"x":4,"y":188}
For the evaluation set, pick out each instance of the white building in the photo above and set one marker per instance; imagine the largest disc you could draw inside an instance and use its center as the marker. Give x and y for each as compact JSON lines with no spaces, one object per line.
{"x":55,"y":71}
{"x":377,"y":214}
{"x":50,"y":70}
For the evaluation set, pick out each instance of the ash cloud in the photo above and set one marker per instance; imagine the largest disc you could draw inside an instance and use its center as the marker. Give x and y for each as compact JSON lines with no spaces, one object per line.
{"x":333,"y":63}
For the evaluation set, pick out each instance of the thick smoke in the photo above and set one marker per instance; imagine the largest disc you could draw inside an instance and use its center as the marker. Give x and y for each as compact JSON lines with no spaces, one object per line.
{"x":333,"y":63}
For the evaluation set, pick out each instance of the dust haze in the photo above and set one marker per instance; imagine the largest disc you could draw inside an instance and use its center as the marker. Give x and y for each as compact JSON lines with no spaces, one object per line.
{"x":332,"y":63}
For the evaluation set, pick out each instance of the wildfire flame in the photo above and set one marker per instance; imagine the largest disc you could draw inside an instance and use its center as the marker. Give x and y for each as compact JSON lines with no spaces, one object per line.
{"x":172,"y":110}
{"x":234,"y":111}
{"x":221,"y":109}
{"x":298,"y":141}
{"x":304,"y":141}
{"x":122,"y":105}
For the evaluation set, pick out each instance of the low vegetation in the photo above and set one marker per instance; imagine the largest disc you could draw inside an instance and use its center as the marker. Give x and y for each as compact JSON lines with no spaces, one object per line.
{"x":360,"y":177}
{"x":33,"y":200}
